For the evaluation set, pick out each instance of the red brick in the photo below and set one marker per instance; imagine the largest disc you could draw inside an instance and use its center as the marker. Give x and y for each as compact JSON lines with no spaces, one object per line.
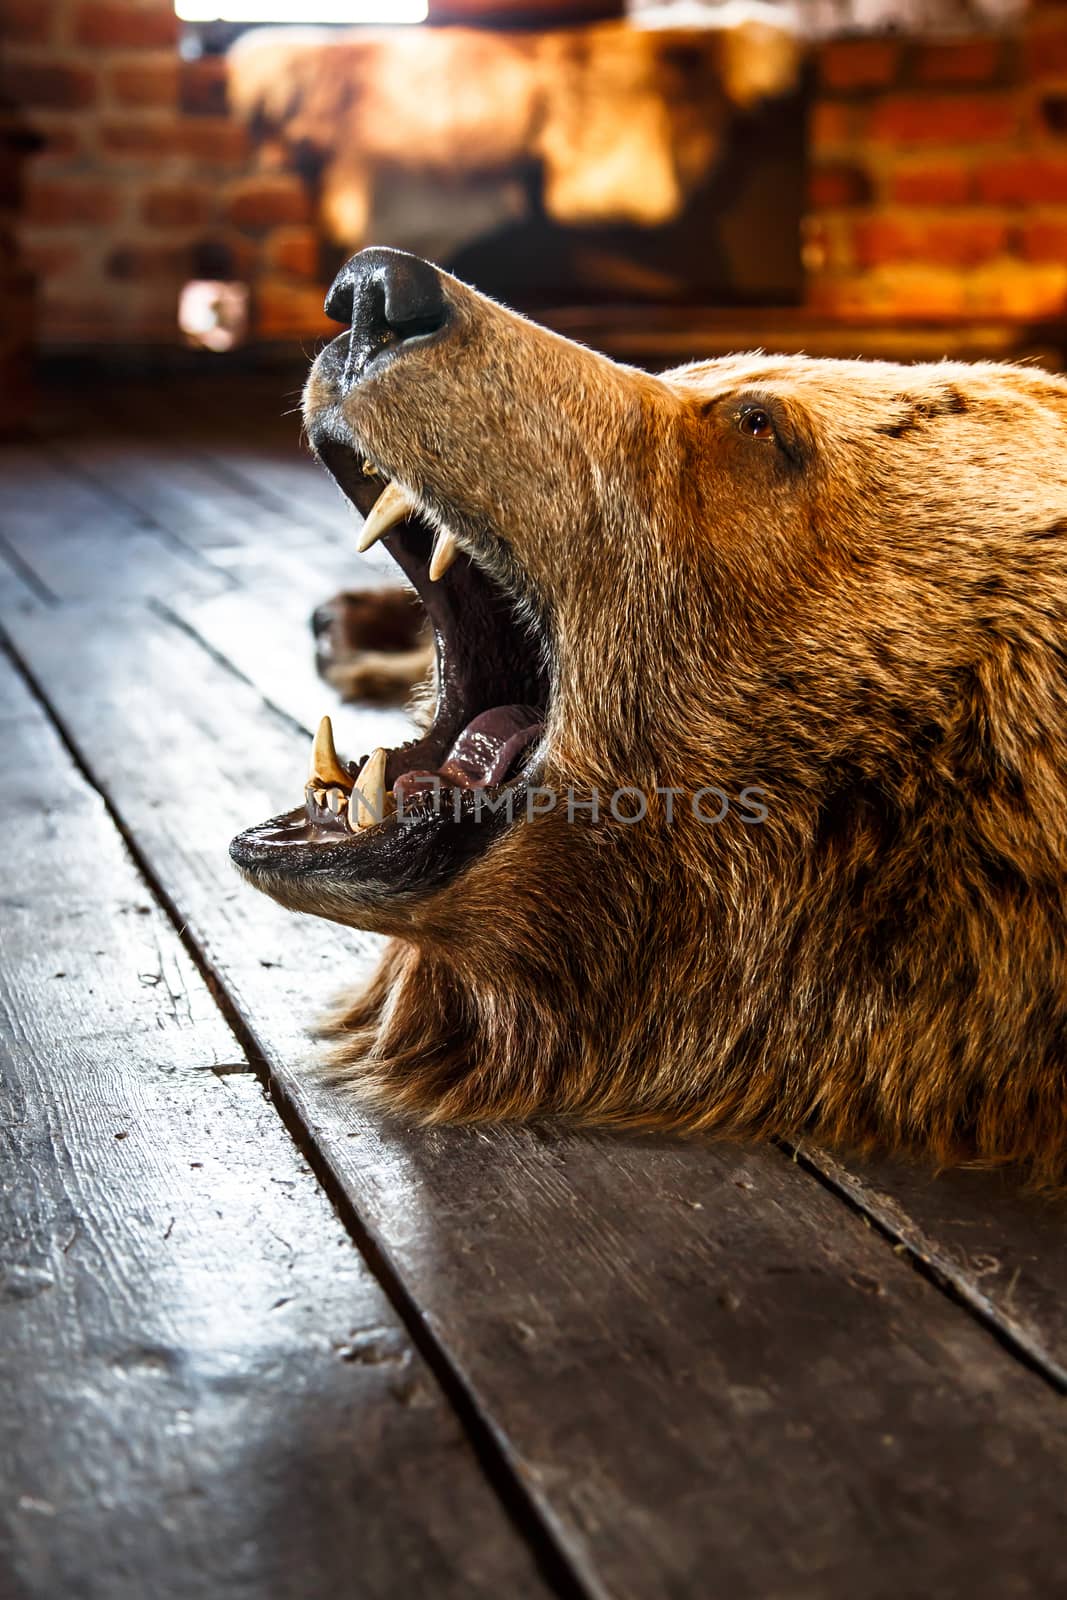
{"x":137,"y":140}
{"x":295,"y":251}
{"x":924,"y":294}
{"x":145,"y":83}
{"x":204,"y":86}
{"x":877,"y":240}
{"x":61,"y":141}
{"x":269,"y":203}
{"x":214,"y":141}
{"x":944,"y":119}
{"x":136,"y":262}
{"x":288,"y":311}
{"x":153,"y":317}
{"x":858,"y":63}
{"x":965,"y":241}
{"x":51,"y":258}
{"x":835,"y":122}
{"x":80,"y":200}
{"x":109,"y":26}
{"x":956,"y":242}
{"x":916,"y":293}
{"x":177,"y":205}
{"x":832,"y":186}
{"x":55,"y":86}
{"x":1046,"y":53}
{"x":930,"y":185}
{"x":82,"y":317}
{"x":1023,"y":180}
{"x":1044,"y":239}
{"x":958,"y":61}
{"x":29,"y":21}
{"x":1018,"y":290}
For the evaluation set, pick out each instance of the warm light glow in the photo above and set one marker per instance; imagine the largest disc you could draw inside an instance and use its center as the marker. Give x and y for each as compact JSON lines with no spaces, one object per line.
{"x":302,"y":10}
{"x":214,"y":315}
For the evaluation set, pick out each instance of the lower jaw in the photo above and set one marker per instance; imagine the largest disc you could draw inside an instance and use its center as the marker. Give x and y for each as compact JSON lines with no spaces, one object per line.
{"x":328,"y":870}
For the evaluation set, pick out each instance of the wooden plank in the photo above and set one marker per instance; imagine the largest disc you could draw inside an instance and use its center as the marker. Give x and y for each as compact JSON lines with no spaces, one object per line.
{"x":206,"y":1394}
{"x":203,"y":501}
{"x":709,"y":1375}
{"x":163,"y":479}
{"x":1002,"y":1251}
{"x":235,"y":626}
{"x":248,"y":432}
{"x":200,"y":498}
{"x":297,"y":485}
{"x":20,"y":588}
{"x":81,"y":542}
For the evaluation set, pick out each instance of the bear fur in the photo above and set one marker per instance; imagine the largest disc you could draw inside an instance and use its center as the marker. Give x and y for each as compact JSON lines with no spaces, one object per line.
{"x":856,"y":605}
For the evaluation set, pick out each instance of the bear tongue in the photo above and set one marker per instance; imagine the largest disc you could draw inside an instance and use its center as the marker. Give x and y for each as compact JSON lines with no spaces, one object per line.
{"x":483,"y":752}
{"x":487,"y":746}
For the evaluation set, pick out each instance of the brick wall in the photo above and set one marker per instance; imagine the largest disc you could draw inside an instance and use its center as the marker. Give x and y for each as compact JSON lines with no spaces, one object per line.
{"x":938,"y":177}
{"x":143,"y":180}
{"x":938,"y":182}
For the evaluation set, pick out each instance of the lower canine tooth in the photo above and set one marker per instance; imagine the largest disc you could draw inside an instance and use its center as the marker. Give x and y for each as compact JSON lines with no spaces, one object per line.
{"x":366,"y":803}
{"x":325,"y":767}
{"x":445,"y":552}
{"x":391,"y":507}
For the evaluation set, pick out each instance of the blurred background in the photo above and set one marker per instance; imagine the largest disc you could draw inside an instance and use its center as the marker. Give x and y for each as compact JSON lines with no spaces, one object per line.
{"x":665,"y":181}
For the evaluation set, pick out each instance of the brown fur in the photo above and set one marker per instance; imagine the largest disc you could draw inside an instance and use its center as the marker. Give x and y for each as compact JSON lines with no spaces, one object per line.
{"x":870,"y":623}
{"x":372,"y":644}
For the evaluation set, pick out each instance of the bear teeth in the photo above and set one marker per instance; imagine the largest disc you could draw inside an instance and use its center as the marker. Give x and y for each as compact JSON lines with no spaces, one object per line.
{"x":445,"y":551}
{"x":366,"y":803}
{"x":393,"y":505}
{"x":326,"y":769}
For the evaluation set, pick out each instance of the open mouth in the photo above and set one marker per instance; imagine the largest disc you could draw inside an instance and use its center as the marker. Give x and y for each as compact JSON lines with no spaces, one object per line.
{"x":394,"y":819}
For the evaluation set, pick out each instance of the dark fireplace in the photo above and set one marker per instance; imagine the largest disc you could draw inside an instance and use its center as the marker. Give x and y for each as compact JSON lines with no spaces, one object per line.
{"x":606,"y":163}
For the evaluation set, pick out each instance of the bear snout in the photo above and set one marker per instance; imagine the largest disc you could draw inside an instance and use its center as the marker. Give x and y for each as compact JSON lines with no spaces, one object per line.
{"x":392,"y":303}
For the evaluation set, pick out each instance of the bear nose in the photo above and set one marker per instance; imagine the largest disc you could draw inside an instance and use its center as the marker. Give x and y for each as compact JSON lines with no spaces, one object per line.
{"x":388,"y":297}
{"x":322,"y":619}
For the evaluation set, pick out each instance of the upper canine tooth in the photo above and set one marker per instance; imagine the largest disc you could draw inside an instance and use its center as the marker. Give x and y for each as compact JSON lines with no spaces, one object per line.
{"x":445,"y":552}
{"x":325,"y":767}
{"x":366,"y":803}
{"x":391,"y":507}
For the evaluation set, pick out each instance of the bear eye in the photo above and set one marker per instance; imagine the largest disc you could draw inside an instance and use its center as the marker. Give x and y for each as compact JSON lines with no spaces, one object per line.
{"x":755,"y":423}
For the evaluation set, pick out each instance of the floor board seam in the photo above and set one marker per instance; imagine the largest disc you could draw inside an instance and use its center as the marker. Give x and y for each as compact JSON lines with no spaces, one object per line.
{"x":951,"y":1286}
{"x":953,"y":1289}
{"x":504,"y":1482}
{"x":146,"y":521}
{"x":174,"y":619}
{"x":21,"y":567}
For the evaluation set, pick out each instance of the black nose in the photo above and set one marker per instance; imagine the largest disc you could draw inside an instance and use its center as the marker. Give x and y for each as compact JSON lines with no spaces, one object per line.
{"x":322,"y":619}
{"x":387,"y":297}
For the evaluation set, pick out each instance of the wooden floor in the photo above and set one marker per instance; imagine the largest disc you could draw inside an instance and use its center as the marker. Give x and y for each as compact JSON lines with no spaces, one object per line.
{"x":257,"y":1344}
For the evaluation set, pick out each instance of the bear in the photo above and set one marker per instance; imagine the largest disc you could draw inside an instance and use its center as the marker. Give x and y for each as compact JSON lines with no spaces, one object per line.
{"x":740,"y":802}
